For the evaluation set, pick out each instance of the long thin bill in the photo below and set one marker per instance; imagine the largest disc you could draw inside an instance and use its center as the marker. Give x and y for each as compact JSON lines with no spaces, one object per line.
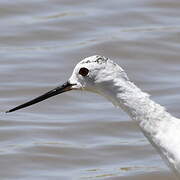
{"x":60,"y":89}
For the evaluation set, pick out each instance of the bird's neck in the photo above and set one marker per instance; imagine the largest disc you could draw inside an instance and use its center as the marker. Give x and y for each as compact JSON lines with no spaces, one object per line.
{"x":155,"y":122}
{"x":139,"y":106}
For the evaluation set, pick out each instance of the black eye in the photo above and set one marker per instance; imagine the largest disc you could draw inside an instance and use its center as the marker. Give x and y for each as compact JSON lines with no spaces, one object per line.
{"x":83,"y":71}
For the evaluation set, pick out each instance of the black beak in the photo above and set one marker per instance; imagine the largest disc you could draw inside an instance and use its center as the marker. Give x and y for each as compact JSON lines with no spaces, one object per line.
{"x":58,"y":90}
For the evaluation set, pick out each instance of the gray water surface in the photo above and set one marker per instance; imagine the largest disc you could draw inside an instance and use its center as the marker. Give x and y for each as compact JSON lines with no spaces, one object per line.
{"x":79,"y":135}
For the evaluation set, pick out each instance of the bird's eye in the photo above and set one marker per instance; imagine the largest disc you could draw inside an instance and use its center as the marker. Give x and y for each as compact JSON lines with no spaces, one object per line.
{"x":83,"y":71}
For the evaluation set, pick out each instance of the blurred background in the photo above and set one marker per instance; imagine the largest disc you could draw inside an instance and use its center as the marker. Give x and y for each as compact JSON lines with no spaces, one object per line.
{"x":79,"y":135}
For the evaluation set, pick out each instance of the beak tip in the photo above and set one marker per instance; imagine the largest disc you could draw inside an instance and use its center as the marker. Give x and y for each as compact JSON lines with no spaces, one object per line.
{"x":11,"y":110}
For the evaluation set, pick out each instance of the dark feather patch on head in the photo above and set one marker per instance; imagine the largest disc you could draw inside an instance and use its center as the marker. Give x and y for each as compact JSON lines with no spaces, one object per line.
{"x":99,"y":60}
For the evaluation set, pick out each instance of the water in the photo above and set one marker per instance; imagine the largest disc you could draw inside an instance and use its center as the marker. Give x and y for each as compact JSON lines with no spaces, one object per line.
{"x":79,"y":135}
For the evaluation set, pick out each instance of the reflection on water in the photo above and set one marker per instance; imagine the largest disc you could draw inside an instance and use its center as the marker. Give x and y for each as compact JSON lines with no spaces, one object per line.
{"x":79,"y":135}
{"x":115,"y":172}
{"x":64,"y":14}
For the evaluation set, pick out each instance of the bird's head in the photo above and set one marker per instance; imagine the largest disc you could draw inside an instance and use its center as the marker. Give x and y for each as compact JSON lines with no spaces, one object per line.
{"x":95,"y":73}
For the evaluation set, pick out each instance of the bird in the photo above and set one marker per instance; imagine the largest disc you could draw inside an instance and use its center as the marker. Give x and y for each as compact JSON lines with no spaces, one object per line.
{"x":101,"y":75}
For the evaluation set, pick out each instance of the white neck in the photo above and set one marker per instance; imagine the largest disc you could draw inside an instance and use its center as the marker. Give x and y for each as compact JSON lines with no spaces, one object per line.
{"x":135,"y":102}
{"x":155,"y":122}
{"x":148,"y":114}
{"x":140,"y":107}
